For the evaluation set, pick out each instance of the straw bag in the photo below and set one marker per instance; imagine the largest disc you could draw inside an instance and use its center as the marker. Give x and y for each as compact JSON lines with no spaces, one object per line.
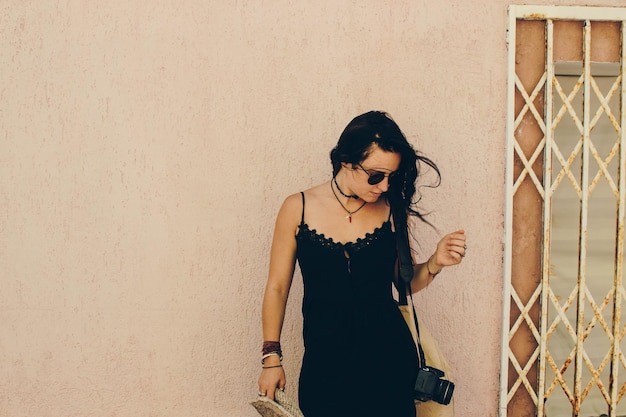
{"x":433,"y":357}
{"x":282,"y":406}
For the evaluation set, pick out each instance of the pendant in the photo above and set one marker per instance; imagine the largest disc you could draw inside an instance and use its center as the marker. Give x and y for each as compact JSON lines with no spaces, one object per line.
{"x":349,"y":217}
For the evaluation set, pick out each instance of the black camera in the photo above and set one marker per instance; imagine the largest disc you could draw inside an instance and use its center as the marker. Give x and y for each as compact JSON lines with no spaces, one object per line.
{"x":430,"y":385}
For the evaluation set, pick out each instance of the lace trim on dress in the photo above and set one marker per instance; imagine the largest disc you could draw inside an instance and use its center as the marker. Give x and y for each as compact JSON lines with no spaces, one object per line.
{"x":304,"y":231}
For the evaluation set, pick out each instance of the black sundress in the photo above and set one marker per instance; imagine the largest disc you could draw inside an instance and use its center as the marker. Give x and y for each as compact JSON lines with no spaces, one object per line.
{"x":359,"y":359}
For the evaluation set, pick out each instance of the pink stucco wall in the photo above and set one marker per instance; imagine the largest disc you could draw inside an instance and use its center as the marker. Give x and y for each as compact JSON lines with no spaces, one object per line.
{"x":145,"y":147}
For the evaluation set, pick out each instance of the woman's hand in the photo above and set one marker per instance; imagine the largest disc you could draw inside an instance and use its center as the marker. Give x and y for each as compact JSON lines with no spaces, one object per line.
{"x":450,"y":251}
{"x":272,"y":377}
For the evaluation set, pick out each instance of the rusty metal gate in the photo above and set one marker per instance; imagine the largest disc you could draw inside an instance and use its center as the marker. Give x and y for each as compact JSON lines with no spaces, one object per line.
{"x":565,"y":302}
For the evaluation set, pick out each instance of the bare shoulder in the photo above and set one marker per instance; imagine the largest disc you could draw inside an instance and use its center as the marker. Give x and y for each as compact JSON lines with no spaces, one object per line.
{"x":318,"y":192}
{"x":290,"y":212}
{"x":292,"y":204}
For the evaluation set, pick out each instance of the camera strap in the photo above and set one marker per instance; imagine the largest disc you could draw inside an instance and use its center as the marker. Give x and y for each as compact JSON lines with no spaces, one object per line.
{"x":405,"y":275}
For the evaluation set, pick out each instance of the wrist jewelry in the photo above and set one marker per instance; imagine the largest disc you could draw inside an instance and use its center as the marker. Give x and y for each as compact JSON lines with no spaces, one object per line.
{"x":428,"y":268}
{"x":267,"y":355}
{"x":274,"y":366}
{"x":270,"y":346}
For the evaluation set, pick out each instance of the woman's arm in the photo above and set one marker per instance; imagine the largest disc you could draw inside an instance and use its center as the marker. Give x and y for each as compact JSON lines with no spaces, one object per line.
{"x":282,"y":264}
{"x":450,"y":251}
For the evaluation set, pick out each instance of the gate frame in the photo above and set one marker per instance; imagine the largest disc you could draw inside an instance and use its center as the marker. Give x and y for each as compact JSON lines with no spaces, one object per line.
{"x":530,"y":12}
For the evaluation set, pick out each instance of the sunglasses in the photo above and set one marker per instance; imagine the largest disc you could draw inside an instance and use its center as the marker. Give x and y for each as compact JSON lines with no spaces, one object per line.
{"x":375,"y":177}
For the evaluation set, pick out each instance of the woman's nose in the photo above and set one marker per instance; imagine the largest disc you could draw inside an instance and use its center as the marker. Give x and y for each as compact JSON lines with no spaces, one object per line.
{"x":384,"y":184}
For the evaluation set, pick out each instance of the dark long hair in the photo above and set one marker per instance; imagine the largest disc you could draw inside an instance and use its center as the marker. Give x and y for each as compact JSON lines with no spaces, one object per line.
{"x":378,"y":128}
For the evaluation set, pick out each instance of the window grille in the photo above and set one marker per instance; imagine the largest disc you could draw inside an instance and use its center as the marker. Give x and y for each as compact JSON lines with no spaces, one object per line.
{"x":564,"y":298}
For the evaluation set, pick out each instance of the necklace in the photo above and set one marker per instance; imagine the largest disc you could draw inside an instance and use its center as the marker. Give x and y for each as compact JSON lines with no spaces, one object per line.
{"x":350,"y":213}
{"x":356,"y":197}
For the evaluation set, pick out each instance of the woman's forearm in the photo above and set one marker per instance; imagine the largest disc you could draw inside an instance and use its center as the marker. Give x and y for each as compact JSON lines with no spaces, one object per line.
{"x":273,"y":313}
{"x":424,"y":274}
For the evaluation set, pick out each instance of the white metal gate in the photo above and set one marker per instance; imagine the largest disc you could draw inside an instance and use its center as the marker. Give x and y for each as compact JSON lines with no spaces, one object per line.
{"x":564,"y":328}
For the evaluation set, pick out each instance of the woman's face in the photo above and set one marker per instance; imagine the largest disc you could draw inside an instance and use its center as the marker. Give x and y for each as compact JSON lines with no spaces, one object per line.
{"x":370,"y":178}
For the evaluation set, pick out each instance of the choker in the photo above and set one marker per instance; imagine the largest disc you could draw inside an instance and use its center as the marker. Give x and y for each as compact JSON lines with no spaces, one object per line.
{"x":356,"y":197}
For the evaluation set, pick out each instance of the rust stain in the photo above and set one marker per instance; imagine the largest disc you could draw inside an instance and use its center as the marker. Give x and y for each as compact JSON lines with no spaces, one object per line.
{"x":536,"y":16}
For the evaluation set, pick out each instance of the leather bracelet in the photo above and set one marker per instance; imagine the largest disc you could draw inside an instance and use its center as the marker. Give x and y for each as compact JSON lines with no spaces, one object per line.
{"x":428,"y":269}
{"x":274,"y":366}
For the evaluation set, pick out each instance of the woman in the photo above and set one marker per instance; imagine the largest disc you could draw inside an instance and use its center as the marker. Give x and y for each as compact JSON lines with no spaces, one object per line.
{"x":360,"y":359}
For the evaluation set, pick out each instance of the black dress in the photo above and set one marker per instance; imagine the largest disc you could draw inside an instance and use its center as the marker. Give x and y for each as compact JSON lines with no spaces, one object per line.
{"x":359,"y":359}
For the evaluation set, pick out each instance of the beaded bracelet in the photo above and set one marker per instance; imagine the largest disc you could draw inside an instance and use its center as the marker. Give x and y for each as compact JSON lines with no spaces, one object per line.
{"x":270,"y":346}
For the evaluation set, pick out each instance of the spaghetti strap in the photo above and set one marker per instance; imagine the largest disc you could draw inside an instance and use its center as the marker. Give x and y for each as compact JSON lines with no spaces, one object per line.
{"x":302,"y":220}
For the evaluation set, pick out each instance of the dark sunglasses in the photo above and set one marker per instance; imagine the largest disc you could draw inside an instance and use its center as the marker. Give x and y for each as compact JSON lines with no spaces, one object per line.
{"x":375,"y":177}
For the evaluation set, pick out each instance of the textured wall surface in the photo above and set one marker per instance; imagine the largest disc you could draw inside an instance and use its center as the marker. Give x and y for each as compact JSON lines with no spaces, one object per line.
{"x":145,"y":148}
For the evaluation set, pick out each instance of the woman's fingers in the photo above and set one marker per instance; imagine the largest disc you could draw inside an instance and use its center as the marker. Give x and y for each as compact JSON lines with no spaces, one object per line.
{"x":271,"y":379}
{"x":267,"y":391}
{"x":270,"y":394}
{"x":451,"y":249}
{"x":457,"y":245}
